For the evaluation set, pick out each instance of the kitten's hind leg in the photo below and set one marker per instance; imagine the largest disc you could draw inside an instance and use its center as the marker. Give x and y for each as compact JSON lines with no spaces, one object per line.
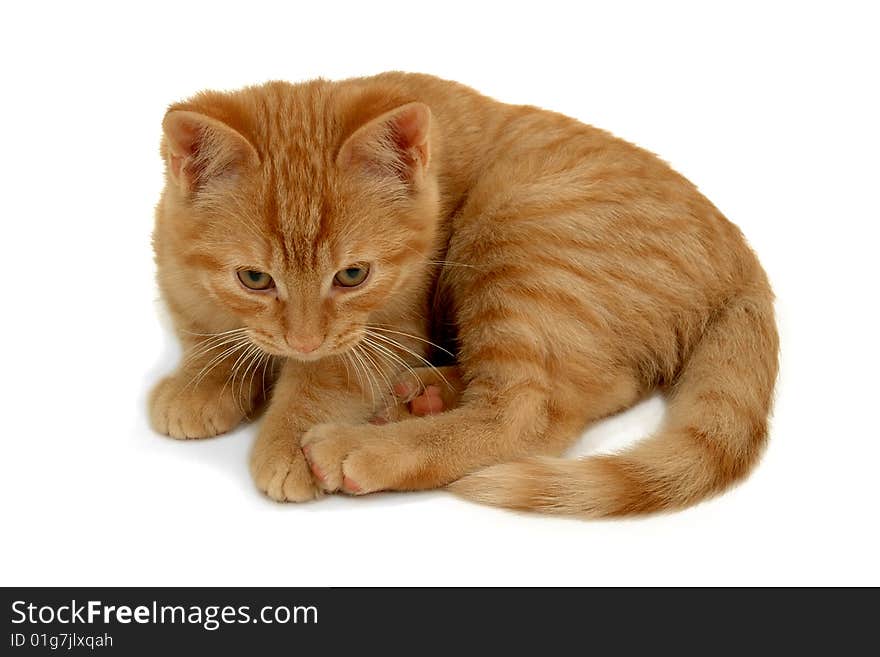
{"x":423,"y":391}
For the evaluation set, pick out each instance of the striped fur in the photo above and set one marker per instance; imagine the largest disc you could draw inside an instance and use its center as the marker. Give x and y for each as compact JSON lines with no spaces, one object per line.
{"x":570,"y":272}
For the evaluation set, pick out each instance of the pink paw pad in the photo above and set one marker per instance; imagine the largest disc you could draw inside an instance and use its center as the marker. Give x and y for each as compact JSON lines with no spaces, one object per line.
{"x":314,"y":468}
{"x":427,"y":403}
{"x":350,"y":486}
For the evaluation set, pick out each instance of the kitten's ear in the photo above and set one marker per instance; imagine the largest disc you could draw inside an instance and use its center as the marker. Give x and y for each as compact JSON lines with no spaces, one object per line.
{"x":199,"y":149}
{"x":396,"y":144}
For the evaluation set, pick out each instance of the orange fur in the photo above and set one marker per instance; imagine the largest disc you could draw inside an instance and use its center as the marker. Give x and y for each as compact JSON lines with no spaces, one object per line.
{"x":568,"y":272}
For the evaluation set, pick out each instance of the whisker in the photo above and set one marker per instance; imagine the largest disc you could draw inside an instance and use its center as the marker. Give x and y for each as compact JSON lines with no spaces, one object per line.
{"x":370,"y":379}
{"x":357,"y":373}
{"x":215,"y":335}
{"x":255,"y":358}
{"x":213,"y":363}
{"x":347,"y":372}
{"x":444,"y":262}
{"x":449,"y":263}
{"x":267,"y":365}
{"x":242,"y":358}
{"x":413,"y":353}
{"x":245,"y":393}
{"x":215,"y":342}
{"x":390,"y":357}
{"x":381,"y":327}
{"x":379,"y":370}
{"x":196,"y":356}
{"x":362,"y":364}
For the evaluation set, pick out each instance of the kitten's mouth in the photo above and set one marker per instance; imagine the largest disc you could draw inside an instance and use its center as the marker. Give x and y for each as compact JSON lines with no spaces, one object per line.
{"x":324,"y":350}
{"x":274,"y":350}
{"x":307,"y":357}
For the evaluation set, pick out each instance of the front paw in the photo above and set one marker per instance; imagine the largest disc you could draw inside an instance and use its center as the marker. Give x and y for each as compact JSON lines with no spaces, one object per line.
{"x":356,"y":459}
{"x":281,"y":472}
{"x":181,"y":410}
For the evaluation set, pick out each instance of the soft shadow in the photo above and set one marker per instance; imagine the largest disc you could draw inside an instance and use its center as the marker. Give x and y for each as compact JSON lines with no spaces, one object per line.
{"x":339,"y":502}
{"x":169,"y":352}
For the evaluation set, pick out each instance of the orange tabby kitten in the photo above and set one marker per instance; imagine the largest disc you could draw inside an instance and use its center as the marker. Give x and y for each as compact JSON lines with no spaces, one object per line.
{"x":338,"y":238}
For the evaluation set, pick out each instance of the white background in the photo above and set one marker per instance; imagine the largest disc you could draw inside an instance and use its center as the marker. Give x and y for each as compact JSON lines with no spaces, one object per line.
{"x":770,"y":108}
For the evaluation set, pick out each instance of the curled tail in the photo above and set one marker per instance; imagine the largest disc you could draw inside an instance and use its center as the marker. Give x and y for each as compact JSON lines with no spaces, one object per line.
{"x":715,"y":431}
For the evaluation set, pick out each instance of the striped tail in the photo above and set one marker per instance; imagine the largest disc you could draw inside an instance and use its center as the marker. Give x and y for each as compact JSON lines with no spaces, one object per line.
{"x":715,"y":432}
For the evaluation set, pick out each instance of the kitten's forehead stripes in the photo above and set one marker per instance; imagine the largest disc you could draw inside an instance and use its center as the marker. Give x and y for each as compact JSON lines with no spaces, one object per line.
{"x":298,"y":146}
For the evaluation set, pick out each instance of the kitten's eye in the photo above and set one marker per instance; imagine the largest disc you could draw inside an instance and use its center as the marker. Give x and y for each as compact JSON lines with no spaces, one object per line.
{"x":351,"y":276}
{"x":255,"y":280}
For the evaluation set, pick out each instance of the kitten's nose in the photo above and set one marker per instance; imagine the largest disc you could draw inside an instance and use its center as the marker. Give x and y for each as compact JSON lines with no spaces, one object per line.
{"x":304,"y":344}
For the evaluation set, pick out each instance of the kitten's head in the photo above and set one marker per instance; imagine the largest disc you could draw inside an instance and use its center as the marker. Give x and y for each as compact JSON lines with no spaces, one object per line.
{"x":300,"y":211}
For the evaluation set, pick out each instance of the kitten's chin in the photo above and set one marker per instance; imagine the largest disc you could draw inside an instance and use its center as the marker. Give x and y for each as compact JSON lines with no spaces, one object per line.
{"x":305,"y":358}
{"x":320,"y":353}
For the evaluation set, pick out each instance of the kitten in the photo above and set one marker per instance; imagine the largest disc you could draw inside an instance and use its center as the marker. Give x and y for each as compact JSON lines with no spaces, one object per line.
{"x":333,"y":240}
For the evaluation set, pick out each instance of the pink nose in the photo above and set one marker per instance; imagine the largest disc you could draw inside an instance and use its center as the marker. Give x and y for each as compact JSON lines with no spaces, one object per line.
{"x":304,"y":345}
